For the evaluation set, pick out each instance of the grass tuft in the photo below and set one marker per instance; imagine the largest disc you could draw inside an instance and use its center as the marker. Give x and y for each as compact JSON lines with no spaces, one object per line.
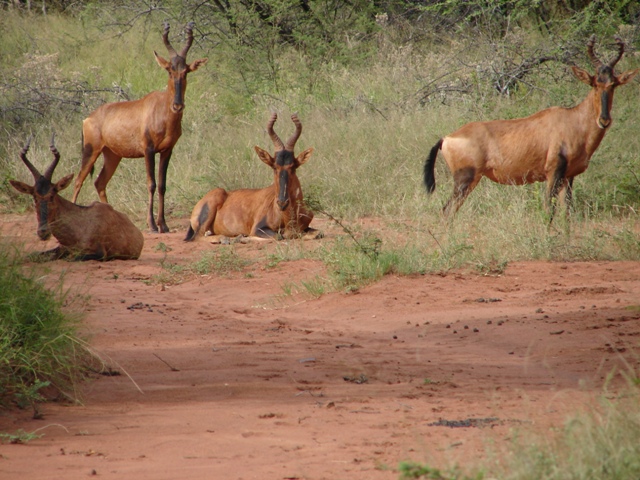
{"x":42,"y":355}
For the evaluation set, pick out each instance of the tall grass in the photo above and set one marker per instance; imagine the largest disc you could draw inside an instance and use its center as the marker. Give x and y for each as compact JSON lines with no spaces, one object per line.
{"x":42,"y":355}
{"x":599,"y":443}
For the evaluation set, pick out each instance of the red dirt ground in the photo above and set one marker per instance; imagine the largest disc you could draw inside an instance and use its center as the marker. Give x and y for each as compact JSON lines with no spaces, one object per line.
{"x":226,"y":378}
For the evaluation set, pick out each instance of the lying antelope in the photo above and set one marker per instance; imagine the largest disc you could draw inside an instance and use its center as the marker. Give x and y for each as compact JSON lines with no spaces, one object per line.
{"x":276,"y":211}
{"x":140,"y":128}
{"x":96,"y":232}
{"x":553,"y":145}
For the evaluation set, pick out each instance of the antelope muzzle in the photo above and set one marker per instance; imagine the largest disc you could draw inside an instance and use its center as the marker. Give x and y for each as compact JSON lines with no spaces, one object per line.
{"x":604,"y":119}
{"x":283,"y":191}
{"x":178,"y":100}
{"x":44,"y":232}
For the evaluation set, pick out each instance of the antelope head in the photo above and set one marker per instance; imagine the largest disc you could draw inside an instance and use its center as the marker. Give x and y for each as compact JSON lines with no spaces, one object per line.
{"x":605,"y":81}
{"x":285,"y":163}
{"x":43,"y":191}
{"x":178,"y":67}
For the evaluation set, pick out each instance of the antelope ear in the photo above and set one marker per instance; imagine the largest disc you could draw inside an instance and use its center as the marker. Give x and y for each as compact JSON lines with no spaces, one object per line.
{"x":627,"y":76}
{"x":304,"y":156}
{"x":22,"y":187}
{"x":264,"y":156}
{"x":162,"y":62}
{"x":583,"y":75}
{"x":63,"y":182}
{"x":197,"y":64}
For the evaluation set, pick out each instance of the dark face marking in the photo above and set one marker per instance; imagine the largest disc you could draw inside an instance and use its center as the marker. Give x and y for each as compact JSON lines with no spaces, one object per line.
{"x":44,"y":232}
{"x":283,"y":191}
{"x":284,"y":167}
{"x":606,"y":82}
{"x":43,"y":196}
{"x":179,"y":75}
{"x":284,"y":158}
{"x":605,"y":114}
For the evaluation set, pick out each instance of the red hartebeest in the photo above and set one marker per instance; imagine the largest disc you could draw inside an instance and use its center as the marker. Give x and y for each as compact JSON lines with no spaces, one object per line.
{"x":276,"y":211}
{"x":553,"y":145}
{"x":140,"y":128}
{"x":95,"y":232}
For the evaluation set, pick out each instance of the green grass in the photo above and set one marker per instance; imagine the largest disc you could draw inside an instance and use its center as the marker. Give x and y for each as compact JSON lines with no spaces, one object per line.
{"x":42,"y":354}
{"x":599,"y":443}
{"x":222,"y":262}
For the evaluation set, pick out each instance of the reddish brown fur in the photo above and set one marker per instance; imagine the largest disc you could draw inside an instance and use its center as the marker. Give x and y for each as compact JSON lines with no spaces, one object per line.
{"x":553,"y":145}
{"x":96,"y":232}
{"x":258,"y":212}
{"x":140,"y":128}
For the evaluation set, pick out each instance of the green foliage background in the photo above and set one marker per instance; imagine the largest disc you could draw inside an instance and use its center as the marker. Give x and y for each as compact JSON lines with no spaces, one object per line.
{"x":376,"y":83}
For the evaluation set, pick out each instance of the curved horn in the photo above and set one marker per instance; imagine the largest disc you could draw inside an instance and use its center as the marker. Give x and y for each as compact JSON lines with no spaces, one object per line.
{"x":620,"y":44}
{"x":23,"y":155}
{"x":187,"y":45}
{"x":274,"y":136}
{"x":592,"y":56}
{"x":294,"y":138}
{"x":165,"y":39}
{"x":56,"y":157}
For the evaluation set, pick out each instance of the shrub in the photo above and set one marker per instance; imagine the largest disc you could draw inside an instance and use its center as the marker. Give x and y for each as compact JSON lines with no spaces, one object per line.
{"x":41,"y":354}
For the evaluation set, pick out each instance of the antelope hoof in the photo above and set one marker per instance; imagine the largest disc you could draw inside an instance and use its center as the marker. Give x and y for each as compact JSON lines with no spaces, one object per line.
{"x":312,"y":234}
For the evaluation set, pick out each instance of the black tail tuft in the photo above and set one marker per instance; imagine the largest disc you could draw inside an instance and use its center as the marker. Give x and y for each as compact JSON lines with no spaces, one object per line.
{"x":429,"y":167}
{"x":191,"y":233}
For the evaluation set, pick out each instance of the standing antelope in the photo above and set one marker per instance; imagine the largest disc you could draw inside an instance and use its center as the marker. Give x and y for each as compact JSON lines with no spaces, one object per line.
{"x":140,"y":128}
{"x":555,"y":144}
{"x":271,"y":212}
{"x":96,"y":232}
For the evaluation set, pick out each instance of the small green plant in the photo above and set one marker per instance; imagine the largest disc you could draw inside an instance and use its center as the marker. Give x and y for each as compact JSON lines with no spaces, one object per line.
{"x":19,"y":436}
{"x":315,"y":287}
{"x":162,"y":247}
{"x":222,"y":261}
{"x":412,"y":470}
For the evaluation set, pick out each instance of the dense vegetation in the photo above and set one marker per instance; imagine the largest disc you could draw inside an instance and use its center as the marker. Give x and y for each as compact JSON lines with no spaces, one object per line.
{"x":41,"y":353}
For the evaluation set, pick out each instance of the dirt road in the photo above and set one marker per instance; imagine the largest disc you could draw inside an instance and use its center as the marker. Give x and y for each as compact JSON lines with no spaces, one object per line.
{"x":224,"y":377}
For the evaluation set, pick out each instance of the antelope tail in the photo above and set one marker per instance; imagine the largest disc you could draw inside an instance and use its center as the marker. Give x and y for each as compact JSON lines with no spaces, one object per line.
{"x":191,"y":234}
{"x":429,"y":167}
{"x":199,"y":217}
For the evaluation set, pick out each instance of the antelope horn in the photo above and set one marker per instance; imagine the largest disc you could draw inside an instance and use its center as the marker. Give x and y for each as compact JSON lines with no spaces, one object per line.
{"x":56,"y":157}
{"x":274,"y":136}
{"x":165,"y":39}
{"x":23,"y":155}
{"x":187,"y":45}
{"x":620,"y":44}
{"x":294,"y":138}
{"x":592,"y":56}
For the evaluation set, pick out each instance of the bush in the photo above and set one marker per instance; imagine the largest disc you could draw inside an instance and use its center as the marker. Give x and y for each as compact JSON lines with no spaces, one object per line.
{"x":41,"y":354}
